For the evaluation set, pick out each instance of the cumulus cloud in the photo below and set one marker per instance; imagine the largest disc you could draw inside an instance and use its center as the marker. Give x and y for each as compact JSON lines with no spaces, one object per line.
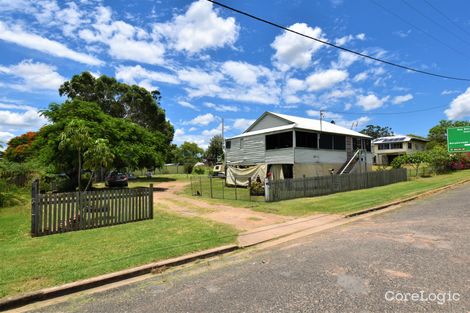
{"x":221,"y":107}
{"x":17,"y":35}
{"x":244,"y":73}
{"x":360,"y":77}
{"x":325,"y":79}
{"x":124,"y":41}
{"x":22,"y":121}
{"x":459,"y":107}
{"x":294,"y":51}
{"x":179,"y":132}
{"x":242,"y":123}
{"x":213,"y":132}
{"x":348,"y":38}
{"x":370,"y":102}
{"x":199,"y":28}
{"x":203,"y":120}
{"x":31,"y":76}
{"x":402,"y":99}
{"x":143,"y":77}
{"x":4,"y":138}
{"x":186,"y":104}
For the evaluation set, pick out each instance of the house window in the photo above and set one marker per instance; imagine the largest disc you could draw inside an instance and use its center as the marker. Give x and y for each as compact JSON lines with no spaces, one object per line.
{"x":410,"y":145}
{"x":228,"y":144}
{"x":339,"y":142}
{"x":326,"y":141}
{"x":305,"y":139}
{"x":368,"y":145}
{"x":279,"y":141}
{"x":396,"y":145}
{"x":384,"y":146}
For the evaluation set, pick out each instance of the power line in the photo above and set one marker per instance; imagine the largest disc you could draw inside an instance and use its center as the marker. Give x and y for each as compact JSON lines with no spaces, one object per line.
{"x":418,"y":28}
{"x":447,"y":18}
{"x":339,"y":47}
{"x":434,"y":22}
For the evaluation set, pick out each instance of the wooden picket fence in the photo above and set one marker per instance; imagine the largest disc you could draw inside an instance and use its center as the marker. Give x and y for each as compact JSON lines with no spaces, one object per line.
{"x":53,"y":213}
{"x":323,"y":185}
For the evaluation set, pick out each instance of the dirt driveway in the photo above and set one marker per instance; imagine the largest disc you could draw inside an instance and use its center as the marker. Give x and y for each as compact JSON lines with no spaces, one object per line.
{"x":241,"y":218}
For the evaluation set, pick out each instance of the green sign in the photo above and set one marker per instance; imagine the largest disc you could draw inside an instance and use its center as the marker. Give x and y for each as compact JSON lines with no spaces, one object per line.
{"x":458,"y":139}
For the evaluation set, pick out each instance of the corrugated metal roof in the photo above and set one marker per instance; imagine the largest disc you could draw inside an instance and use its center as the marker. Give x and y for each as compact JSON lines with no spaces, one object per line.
{"x":303,"y":123}
{"x":396,"y":138}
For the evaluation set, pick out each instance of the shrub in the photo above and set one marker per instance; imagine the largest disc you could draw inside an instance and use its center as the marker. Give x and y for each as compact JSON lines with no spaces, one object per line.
{"x":257,"y":188}
{"x":200,"y":170}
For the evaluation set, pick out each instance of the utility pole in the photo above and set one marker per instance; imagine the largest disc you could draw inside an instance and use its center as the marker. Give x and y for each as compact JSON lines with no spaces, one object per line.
{"x":322,"y":113}
{"x":223,"y":144}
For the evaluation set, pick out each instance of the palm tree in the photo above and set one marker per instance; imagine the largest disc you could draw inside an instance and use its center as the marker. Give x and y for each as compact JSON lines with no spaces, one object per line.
{"x":76,"y":137}
{"x":98,"y":155}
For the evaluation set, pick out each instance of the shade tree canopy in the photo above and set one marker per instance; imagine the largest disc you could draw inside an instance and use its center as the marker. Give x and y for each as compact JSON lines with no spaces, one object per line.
{"x":376,"y":131}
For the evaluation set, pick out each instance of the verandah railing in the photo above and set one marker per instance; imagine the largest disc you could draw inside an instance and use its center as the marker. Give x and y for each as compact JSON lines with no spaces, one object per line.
{"x":53,"y":213}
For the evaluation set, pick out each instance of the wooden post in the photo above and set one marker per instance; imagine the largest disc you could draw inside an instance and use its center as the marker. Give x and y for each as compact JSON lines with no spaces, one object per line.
{"x":266,"y":190}
{"x":210,"y":184}
{"x":249,"y":187}
{"x":34,"y":207}
{"x":191,"y":180}
{"x":200,"y":185}
{"x":236,"y":197}
{"x":224,"y":180}
{"x":305,"y":185}
{"x":151,"y":202}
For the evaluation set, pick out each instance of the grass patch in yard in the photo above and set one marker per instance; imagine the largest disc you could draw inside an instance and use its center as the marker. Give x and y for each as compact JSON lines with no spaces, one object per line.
{"x":347,"y":202}
{"x":27,"y":264}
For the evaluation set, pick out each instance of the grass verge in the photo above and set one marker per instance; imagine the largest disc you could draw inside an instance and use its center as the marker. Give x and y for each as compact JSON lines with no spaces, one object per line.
{"x":28,"y":264}
{"x":351,"y":201}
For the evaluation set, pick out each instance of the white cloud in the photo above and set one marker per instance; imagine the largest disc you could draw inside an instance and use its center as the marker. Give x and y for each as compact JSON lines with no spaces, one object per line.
{"x":345,"y":39}
{"x":360,"y":77}
{"x":179,"y":132}
{"x":20,"y":37}
{"x":124,"y":41}
{"x":143,"y":77}
{"x":188,"y":105}
{"x":213,"y":132}
{"x":294,"y":51}
{"x":242,"y":123}
{"x":198,"y":29}
{"x":345,"y":59}
{"x":459,"y":107}
{"x":243,"y":73}
{"x":402,"y":99}
{"x":204,"y":119}
{"x":221,"y":107}
{"x":370,"y":102}
{"x":325,"y":79}
{"x":33,"y":76}
{"x":27,"y":120}
{"x":4,"y":138}
{"x":449,"y":92}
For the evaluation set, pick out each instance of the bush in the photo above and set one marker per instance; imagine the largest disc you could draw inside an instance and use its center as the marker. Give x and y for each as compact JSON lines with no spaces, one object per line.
{"x":257,"y":188}
{"x":8,"y":194}
{"x":200,"y":170}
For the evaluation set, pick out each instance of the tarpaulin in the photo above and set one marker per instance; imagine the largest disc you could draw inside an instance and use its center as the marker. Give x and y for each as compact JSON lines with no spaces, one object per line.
{"x":242,"y":175}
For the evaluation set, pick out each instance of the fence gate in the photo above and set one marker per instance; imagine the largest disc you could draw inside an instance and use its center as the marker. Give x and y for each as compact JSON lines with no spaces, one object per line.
{"x":53,"y":213}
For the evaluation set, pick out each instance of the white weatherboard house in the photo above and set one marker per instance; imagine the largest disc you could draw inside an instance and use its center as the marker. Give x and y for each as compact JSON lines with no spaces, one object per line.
{"x":388,"y":148}
{"x":291,"y":147}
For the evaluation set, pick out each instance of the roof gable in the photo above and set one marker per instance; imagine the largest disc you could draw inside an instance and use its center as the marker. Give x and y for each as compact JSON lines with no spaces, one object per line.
{"x":268,"y":120}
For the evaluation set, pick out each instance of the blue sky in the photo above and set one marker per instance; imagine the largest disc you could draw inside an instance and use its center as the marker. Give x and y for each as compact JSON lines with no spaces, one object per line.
{"x":210,"y":63}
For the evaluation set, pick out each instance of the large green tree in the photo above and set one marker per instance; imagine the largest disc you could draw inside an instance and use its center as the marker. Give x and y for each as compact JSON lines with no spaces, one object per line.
{"x":438,"y":134}
{"x":20,"y":148}
{"x":376,"y":131}
{"x":132,"y":145}
{"x":215,"y":152}
{"x":120,"y":100}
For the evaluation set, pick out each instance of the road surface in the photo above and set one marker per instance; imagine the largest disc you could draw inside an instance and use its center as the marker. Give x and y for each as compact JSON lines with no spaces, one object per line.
{"x":419,"y":253}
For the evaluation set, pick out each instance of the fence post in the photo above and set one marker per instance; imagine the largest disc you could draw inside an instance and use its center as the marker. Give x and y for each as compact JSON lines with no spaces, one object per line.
{"x":267,"y":191}
{"x":34,"y":207}
{"x":236,"y":197}
{"x":305,"y":185}
{"x":200,"y":185}
{"x":249,"y":187}
{"x":224,"y":181}
{"x":151,"y":201}
{"x":210,"y":184}
{"x":191,"y":181}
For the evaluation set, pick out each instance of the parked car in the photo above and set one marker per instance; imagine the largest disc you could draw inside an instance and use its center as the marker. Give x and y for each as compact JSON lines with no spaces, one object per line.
{"x":116,"y":179}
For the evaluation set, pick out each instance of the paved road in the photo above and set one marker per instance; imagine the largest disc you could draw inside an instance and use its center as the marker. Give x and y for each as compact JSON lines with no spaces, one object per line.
{"x":421,"y":247}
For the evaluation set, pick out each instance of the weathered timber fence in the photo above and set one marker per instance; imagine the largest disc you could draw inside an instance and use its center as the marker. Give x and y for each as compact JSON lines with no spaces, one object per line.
{"x":53,"y":213}
{"x":323,"y":185}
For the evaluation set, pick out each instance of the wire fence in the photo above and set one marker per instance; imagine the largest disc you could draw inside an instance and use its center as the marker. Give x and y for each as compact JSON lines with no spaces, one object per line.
{"x":230,"y":189}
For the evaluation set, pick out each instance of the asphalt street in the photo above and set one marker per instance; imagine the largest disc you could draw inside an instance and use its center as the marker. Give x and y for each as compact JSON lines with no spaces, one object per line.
{"x":413,"y":259}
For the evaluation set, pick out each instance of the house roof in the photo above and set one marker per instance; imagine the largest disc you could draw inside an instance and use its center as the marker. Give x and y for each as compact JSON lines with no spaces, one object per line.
{"x":397,"y":138}
{"x":296,"y":122}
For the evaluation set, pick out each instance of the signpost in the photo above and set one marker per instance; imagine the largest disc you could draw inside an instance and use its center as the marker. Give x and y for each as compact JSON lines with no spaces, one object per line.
{"x":458,"y":139}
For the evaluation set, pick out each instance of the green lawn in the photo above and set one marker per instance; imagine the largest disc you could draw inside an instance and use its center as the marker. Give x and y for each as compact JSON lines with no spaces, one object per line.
{"x":347,"y":202}
{"x":27,"y":264}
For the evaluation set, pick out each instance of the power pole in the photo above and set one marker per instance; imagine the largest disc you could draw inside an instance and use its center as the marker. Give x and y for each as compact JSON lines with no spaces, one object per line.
{"x":322,"y":113}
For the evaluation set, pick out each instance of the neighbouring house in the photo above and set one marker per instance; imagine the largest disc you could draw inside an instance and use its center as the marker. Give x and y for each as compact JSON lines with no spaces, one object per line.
{"x":290,"y":147}
{"x":388,"y":148}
